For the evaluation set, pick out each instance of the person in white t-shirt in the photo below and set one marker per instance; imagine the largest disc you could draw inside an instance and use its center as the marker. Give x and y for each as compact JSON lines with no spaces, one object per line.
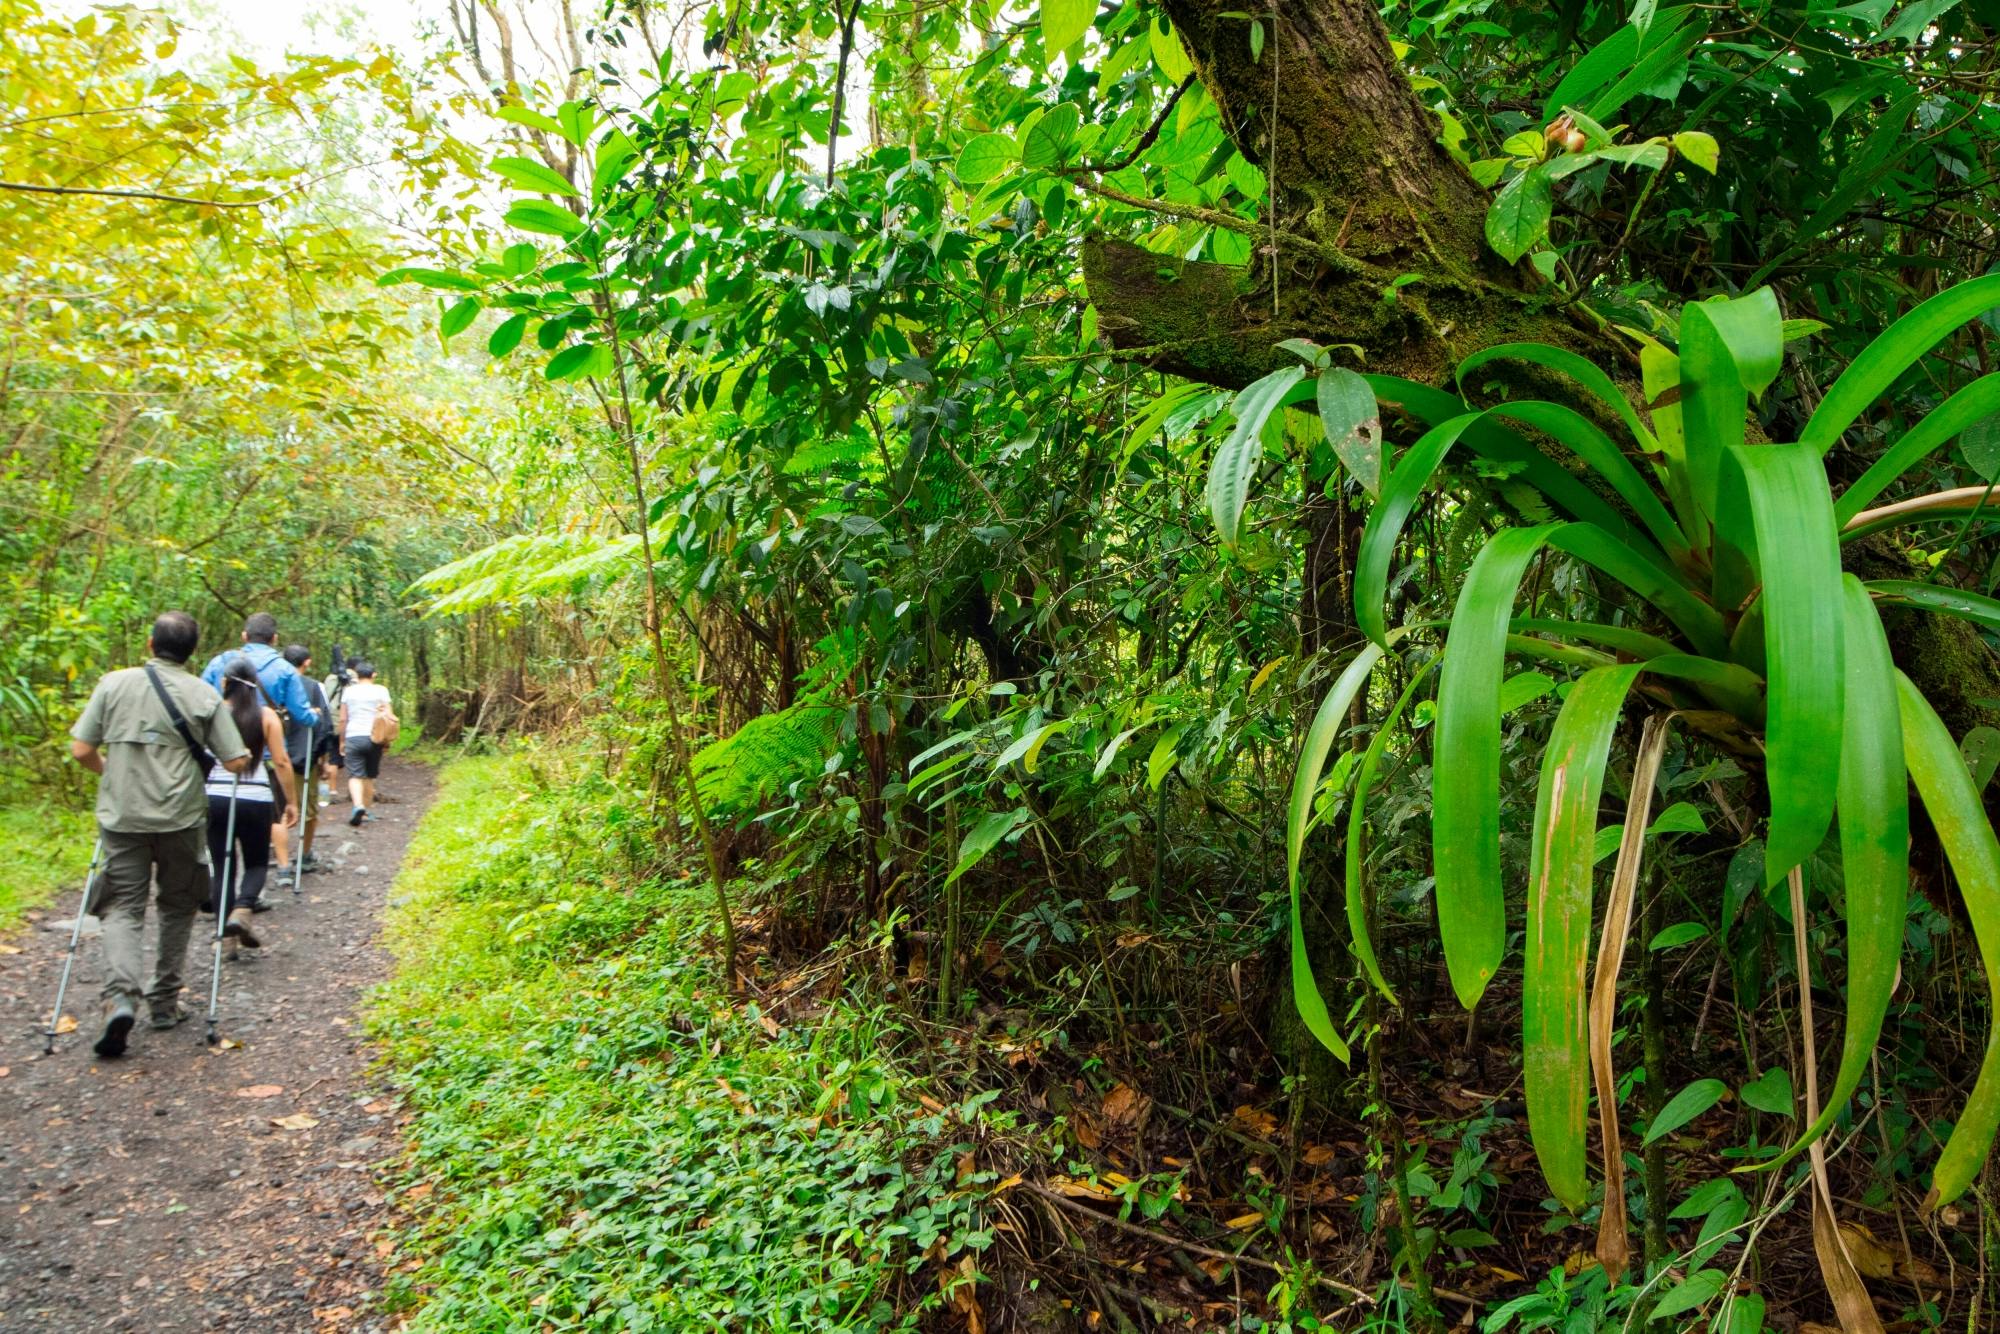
{"x":360,"y":704}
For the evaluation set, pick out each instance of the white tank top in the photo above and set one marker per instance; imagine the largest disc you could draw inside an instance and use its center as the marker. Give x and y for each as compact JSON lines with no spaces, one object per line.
{"x":255,"y":784}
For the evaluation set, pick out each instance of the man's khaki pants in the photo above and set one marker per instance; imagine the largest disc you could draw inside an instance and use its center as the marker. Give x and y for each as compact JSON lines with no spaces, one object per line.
{"x":132,"y":863}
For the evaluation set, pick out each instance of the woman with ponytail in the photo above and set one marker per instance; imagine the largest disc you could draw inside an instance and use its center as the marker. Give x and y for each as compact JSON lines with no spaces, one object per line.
{"x":265,"y":795}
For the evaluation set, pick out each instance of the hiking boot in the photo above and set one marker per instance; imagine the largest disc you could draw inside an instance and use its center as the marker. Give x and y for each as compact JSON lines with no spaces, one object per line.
{"x":311,"y":863}
{"x":360,"y":814}
{"x":286,"y":877}
{"x":170,"y":1016}
{"x":118,"y":1020}
{"x":238,"y":928}
{"x":259,"y":905}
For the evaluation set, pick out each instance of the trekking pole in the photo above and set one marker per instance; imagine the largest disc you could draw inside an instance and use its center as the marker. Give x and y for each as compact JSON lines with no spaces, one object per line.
{"x":222,"y":904}
{"x":308,"y":789}
{"x":75,"y":934}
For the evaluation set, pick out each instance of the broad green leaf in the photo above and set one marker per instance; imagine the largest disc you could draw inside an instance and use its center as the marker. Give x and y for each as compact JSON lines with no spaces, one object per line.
{"x":507,"y":336}
{"x":1976,"y":402}
{"x":1981,"y":749}
{"x":1523,"y":688}
{"x":1168,"y":53}
{"x":1359,"y":936}
{"x":538,"y":215}
{"x":1779,"y":519}
{"x":985,"y":157}
{"x":528,"y":174}
{"x":1963,"y":828}
{"x":982,"y":838}
{"x":519,"y":259}
{"x":1599,"y":66}
{"x":1554,"y":997}
{"x":1064,"y":21}
{"x":1771,"y":1092}
{"x":1048,"y":141}
{"x":1663,"y":59}
{"x":1874,"y":846}
{"x":1698,"y":148}
{"x":1110,"y":752}
{"x":1237,"y":460}
{"x":1685,"y":1106}
{"x":1677,"y":935}
{"x":1894,"y":351}
{"x":1320,"y":737}
{"x":1696,"y":1290}
{"x":455,"y":321}
{"x":532,"y":119}
{"x":1353,"y":424}
{"x":436,"y":279}
{"x":1518,"y":217}
{"x":575,"y":120}
{"x":1166,"y":754}
{"x":572,"y":361}
{"x":1980,"y":448}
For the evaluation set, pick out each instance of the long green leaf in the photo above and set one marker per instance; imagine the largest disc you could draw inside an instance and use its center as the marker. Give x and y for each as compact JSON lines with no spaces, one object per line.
{"x":1595,"y":448}
{"x":1411,"y":478}
{"x":1870,"y":375}
{"x":1976,"y":402}
{"x":1490,"y":440}
{"x":1554,"y":999}
{"x":1579,"y":368}
{"x":1617,"y":638}
{"x":1236,"y":461}
{"x":1465,"y":823}
{"x":1779,"y":517}
{"x":1967,"y":835}
{"x":1874,"y":847}
{"x":1325,"y":730}
{"x":1659,"y":584}
{"x":1974,"y":607}
{"x":1359,"y":937}
{"x":1730,"y":350}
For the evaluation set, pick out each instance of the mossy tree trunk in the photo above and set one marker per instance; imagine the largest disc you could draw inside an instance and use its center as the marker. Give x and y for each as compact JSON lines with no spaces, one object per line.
{"x":1362,"y":196}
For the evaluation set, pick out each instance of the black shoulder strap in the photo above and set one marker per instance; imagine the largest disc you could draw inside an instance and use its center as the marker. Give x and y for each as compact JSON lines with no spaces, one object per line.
{"x":195,"y":748}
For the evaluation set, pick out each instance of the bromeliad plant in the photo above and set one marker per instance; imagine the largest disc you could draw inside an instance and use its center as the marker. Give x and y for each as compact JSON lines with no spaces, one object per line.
{"x":1743,"y":627}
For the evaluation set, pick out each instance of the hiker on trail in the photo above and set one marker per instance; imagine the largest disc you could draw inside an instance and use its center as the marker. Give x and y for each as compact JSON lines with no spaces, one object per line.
{"x":266,"y":799}
{"x":151,"y":733}
{"x":336,"y":683}
{"x":320,"y":735}
{"x":281,"y":682}
{"x":367,"y":723}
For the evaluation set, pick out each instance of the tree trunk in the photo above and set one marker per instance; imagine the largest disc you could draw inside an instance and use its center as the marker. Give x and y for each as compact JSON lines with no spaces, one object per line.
{"x":1362,"y":196}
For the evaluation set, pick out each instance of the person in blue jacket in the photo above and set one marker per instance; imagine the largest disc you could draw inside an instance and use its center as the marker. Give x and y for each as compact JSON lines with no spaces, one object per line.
{"x":281,"y":681}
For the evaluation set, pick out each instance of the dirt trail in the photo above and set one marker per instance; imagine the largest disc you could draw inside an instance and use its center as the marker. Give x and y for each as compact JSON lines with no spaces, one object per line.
{"x":150,"y":1193}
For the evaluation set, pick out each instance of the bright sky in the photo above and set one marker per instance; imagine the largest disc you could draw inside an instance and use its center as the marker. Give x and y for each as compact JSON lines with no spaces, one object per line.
{"x":267,"y":29}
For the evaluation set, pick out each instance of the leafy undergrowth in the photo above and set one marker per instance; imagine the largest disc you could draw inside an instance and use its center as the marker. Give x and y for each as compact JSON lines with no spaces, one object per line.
{"x":600,"y":1138}
{"x":44,"y":848}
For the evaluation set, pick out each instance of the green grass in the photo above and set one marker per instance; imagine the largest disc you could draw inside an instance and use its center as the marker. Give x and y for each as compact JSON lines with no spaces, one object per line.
{"x":602,"y":1139}
{"x":44,"y":848}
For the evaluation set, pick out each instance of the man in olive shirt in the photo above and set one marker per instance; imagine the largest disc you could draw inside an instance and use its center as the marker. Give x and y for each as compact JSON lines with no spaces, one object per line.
{"x":152,"y":811}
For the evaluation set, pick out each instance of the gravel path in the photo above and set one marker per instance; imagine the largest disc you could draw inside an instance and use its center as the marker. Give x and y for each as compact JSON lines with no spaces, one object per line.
{"x":184,"y":1188}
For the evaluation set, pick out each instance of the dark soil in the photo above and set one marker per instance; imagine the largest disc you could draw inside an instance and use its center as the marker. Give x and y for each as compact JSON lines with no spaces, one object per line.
{"x":151,"y":1192}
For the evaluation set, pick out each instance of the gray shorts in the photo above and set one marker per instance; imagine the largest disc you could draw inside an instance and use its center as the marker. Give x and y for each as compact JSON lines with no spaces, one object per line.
{"x":363,"y":758}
